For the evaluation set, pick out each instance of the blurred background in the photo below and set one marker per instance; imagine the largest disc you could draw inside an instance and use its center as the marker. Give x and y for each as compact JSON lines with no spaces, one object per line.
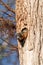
{"x":8,"y":40}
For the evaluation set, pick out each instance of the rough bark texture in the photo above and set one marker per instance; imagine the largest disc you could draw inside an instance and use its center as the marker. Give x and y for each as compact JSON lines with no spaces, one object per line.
{"x":29,"y":14}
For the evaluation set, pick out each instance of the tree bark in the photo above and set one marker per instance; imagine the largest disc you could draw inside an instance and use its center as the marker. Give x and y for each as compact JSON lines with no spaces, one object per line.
{"x":29,"y":14}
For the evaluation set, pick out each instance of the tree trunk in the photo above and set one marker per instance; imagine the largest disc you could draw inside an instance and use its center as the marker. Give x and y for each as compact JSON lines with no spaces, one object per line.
{"x":29,"y":14}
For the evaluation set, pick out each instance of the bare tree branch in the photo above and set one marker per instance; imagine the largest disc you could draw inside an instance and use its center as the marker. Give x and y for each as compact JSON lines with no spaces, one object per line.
{"x":13,"y":47}
{"x":7,"y":14}
{"x":7,"y":23}
{"x":9,"y":8}
{"x":3,"y":19}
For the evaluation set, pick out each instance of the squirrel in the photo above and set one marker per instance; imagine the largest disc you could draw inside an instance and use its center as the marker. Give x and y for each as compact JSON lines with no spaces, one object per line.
{"x":22,"y":36}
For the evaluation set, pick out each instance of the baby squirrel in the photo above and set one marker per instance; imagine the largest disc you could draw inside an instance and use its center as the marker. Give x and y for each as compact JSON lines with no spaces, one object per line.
{"x":22,"y":36}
